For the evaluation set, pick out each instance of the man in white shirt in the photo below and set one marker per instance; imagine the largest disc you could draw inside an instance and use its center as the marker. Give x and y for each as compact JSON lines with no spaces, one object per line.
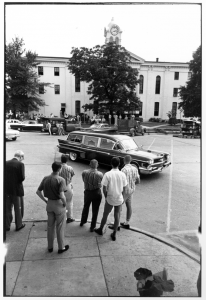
{"x":133,"y":178}
{"x":114,"y":183}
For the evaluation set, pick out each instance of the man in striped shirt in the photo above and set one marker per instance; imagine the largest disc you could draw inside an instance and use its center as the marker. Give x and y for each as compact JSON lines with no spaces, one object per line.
{"x":92,"y":193}
{"x":67,"y":173}
{"x":133,"y":178}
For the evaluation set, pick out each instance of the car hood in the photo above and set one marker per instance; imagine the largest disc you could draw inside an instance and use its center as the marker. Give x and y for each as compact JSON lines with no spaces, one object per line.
{"x":145,"y":153}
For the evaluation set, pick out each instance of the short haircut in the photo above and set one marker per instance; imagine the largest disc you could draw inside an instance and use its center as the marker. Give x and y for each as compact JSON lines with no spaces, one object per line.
{"x":18,"y":153}
{"x":127,"y":159}
{"x":56,"y":166}
{"x":64,"y":158}
{"x":115,"y":162}
{"x":93,"y":163}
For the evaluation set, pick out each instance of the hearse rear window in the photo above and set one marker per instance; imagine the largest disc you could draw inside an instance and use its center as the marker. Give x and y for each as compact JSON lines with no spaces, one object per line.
{"x":75,"y":138}
{"x":90,"y":141}
{"x":106,"y":144}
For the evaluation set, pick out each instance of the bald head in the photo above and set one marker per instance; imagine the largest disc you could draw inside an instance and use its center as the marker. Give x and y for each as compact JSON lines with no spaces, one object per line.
{"x":127,"y":159}
{"x":93,"y":164}
{"x":19,"y":154}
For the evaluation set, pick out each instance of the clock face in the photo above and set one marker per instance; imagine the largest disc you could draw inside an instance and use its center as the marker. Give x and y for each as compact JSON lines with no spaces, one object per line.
{"x":114,"y":30}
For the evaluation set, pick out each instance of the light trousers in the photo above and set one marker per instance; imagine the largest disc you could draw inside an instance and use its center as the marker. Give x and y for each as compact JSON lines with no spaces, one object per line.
{"x":69,"y":199}
{"x":128,"y":201}
{"x":56,"y":216}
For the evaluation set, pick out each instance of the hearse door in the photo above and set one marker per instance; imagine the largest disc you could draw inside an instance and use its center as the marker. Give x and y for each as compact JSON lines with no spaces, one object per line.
{"x":105,"y":151}
{"x":89,"y":147}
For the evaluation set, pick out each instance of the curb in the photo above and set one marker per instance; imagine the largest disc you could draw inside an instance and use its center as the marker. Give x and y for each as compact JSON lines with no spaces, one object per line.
{"x":188,"y":253}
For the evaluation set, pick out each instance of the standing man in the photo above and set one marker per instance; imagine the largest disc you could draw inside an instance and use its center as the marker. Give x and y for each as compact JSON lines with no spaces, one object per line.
{"x":15,"y":175}
{"x":114,"y":183}
{"x":67,"y":173}
{"x":49,"y":127}
{"x":53,"y":187}
{"x":133,"y":178}
{"x":92,"y":193}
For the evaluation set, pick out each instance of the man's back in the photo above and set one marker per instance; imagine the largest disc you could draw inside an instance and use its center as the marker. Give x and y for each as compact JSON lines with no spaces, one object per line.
{"x":132,"y":175}
{"x":14,"y":177}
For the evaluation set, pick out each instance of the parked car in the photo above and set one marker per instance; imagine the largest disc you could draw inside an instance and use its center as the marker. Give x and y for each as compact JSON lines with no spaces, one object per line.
{"x":12,"y":134}
{"x":103,"y":127}
{"x":14,"y":124}
{"x":68,"y":124}
{"x":27,"y":125}
{"x":90,"y":145}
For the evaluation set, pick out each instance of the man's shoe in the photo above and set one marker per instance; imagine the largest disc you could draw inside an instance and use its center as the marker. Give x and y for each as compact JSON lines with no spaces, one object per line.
{"x":69,"y":220}
{"x":92,"y":229}
{"x":126,"y":226}
{"x":50,"y":250}
{"x":63,"y":250}
{"x":98,"y":231}
{"x":112,"y":227}
{"x":81,"y":224}
{"x":22,"y":226}
{"x":113,"y":236}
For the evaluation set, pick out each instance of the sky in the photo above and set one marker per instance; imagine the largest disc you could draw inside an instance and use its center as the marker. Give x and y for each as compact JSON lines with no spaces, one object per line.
{"x":170,"y":32}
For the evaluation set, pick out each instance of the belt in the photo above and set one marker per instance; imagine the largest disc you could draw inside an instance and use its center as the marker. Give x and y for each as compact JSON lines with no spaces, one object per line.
{"x":92,"y":190}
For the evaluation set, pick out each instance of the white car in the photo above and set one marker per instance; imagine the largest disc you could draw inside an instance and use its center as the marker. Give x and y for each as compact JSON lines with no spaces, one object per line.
{"x":12,"y":134}
{"x":14,"y":122}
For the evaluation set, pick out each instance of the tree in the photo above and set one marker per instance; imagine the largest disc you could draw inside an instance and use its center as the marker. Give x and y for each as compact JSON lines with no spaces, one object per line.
{"x":22,"y":83}
{"x":112,"y":81}
{"x":191,"y":93}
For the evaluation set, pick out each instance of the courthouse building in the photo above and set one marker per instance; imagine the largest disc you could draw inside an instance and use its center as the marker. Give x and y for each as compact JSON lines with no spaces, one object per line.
{"x":158,"y":88}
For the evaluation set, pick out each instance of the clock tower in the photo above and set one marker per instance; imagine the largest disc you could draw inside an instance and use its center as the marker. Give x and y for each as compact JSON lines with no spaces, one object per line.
{"x":112,"y":33}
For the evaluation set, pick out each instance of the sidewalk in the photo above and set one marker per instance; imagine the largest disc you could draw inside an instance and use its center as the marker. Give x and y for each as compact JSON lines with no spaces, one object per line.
{"x":94,"y":265}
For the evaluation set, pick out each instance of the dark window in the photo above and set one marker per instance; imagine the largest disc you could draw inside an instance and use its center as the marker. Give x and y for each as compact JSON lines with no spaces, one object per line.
{"x":117,"y":40}
{"x":111,"y":39}
{"x":77,"y":84}
{"x":41,"y":89}
{"x":176,"y":75}
{"x":56,"y":71}
{"x":77,"y":107}
{"x":157,"y":88}
{"x":175,"y":92}
{"x":57,"y":89}
{"x":140,"y":109}
{"x":40,"y":71}
{"x":174,"y":109}
{"x":156,"y":109}
{"x":141,"y":83}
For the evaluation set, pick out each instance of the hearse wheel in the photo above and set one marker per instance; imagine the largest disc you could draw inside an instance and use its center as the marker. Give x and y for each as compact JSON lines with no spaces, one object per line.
{"x":73,"y":156}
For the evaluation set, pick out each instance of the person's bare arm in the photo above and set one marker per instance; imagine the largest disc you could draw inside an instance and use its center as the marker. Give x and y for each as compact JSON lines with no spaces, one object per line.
{"x":40,"y":194}
{"x":105,"y":191}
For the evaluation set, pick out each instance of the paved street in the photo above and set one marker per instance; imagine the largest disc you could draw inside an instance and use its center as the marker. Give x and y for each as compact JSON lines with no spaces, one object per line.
{"x":176,"y":189}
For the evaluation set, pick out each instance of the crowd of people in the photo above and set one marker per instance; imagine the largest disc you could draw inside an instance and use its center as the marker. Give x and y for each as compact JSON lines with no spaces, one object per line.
{"x":56,"y":190}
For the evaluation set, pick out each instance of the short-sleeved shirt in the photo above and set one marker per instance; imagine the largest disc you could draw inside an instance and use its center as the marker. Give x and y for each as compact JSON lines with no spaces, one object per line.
{"x":132,"y":175}
{"x":52,"y":186}
{"x":67,"y":173}
{"x":92,"y":179}
{"x":115,"y":181}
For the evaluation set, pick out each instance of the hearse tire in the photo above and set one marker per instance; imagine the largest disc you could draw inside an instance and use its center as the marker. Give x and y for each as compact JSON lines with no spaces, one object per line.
{"x":73,"y":156}
{"x":14,"y":139}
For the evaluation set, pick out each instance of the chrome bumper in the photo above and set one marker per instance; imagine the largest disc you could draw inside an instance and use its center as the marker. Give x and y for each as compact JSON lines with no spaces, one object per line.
{"x":153,"y":169}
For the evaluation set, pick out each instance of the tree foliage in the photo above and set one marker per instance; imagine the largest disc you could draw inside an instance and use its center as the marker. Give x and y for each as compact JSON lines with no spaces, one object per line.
{"x":191,"y":93}
{"x":112,"y":82}
{"x":22,"y":83}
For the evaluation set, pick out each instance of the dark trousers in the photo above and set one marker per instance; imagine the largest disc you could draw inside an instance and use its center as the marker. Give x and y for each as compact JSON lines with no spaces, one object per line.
{"x":95,"y":198}
{"x":18,"y":203}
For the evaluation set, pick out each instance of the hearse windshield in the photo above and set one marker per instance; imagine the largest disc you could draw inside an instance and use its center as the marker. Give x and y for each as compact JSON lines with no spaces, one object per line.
{"x":129,"y":144}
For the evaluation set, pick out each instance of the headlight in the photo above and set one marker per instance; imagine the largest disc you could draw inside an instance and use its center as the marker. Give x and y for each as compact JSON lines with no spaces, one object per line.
{"x":151,"y":161}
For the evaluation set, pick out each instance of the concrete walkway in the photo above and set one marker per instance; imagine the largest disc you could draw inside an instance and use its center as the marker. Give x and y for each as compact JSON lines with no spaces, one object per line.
{"x":94,"y":265}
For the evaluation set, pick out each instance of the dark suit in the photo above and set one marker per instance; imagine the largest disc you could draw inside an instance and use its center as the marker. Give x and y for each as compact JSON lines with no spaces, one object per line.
{"x":15,"y":175}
